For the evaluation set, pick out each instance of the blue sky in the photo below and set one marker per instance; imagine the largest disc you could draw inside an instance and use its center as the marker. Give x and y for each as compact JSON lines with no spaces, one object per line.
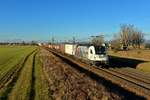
{"x":42,"y":19}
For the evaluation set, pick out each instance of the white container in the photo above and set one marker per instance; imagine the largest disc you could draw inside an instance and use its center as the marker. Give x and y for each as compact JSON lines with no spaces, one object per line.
{"x":70,"y":49}
{"x":82,"y":52}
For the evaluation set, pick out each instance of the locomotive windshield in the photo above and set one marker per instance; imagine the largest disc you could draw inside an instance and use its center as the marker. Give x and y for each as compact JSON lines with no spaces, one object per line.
{"x":100,"y":50}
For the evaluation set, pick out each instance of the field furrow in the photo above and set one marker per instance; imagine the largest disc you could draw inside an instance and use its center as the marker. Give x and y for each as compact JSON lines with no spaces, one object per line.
{"x":10,"y":77}
{"x":22,"y":88}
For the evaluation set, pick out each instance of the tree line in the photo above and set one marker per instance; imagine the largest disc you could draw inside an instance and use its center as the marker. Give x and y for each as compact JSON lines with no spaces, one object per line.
{"x":19,"y":43}
{"x":128,"y":35}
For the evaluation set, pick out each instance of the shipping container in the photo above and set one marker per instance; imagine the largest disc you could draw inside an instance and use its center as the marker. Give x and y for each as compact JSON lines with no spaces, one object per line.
{"x":56,"y":47}
{"x":62,"y":48}
{"x":70,"y":49}
{"x":82,"y":52}
{"x":50,"y":46}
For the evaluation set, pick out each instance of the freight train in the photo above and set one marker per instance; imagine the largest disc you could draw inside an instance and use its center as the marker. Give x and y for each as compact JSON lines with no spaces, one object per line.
{"x":93,"y":55}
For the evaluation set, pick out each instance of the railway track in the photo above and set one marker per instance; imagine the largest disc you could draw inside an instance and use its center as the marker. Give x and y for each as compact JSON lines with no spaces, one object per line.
{"x":130,"y":81}
{"x":136,"y":72}
{"x":132,"y":74}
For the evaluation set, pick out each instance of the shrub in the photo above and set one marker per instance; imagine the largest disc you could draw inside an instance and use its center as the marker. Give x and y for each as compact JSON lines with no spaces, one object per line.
{"x":147,"y":46}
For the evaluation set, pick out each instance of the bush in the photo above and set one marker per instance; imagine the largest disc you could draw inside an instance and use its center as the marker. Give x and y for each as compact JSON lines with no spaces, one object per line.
{"x":115,"y":45}
{"x":147,"y":46}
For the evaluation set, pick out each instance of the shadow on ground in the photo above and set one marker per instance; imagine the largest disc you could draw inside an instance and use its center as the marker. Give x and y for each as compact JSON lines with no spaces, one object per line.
{"x":123,"y":62}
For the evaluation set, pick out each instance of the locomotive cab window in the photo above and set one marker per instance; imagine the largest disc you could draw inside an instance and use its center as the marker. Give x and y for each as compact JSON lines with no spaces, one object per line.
{"x":100,"y":49}
{"x":91,"y":51}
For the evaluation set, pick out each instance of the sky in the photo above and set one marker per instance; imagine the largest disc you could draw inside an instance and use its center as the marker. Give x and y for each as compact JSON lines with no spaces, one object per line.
{"x":63,"y":19}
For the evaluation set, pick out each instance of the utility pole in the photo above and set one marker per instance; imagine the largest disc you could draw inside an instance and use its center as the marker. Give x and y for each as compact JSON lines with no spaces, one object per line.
{"x":73,"y":41}
{"x":53,"y":41}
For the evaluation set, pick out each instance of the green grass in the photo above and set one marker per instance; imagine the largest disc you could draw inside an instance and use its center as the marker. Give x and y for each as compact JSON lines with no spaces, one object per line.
{"x":22,"y":88}
{"x":10,"y":57}
{"x":9,"y":52}
{"x":30,"y":81}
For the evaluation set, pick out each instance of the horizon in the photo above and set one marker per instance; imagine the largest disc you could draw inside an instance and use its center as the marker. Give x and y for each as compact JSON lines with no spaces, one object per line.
{"x":40,"y":20}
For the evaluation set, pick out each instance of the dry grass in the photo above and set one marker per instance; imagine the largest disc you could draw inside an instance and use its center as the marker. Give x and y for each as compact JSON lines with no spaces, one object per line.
{"x":136,"y":54}
{"x":144,"y":66}
{"x":68,"y":83}
{"x":41,"y":83}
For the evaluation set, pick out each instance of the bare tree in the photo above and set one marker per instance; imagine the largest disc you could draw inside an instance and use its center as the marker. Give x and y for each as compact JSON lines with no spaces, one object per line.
{"x":125,"y":34}
{"x":129,"y":35}
{"x":137,"y":38}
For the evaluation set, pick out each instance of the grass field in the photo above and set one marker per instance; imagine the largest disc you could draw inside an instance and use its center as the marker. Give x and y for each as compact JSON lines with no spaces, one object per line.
{"x":21,"y":74}
{"x":10,"y":56}
{"x":13,"y":59}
